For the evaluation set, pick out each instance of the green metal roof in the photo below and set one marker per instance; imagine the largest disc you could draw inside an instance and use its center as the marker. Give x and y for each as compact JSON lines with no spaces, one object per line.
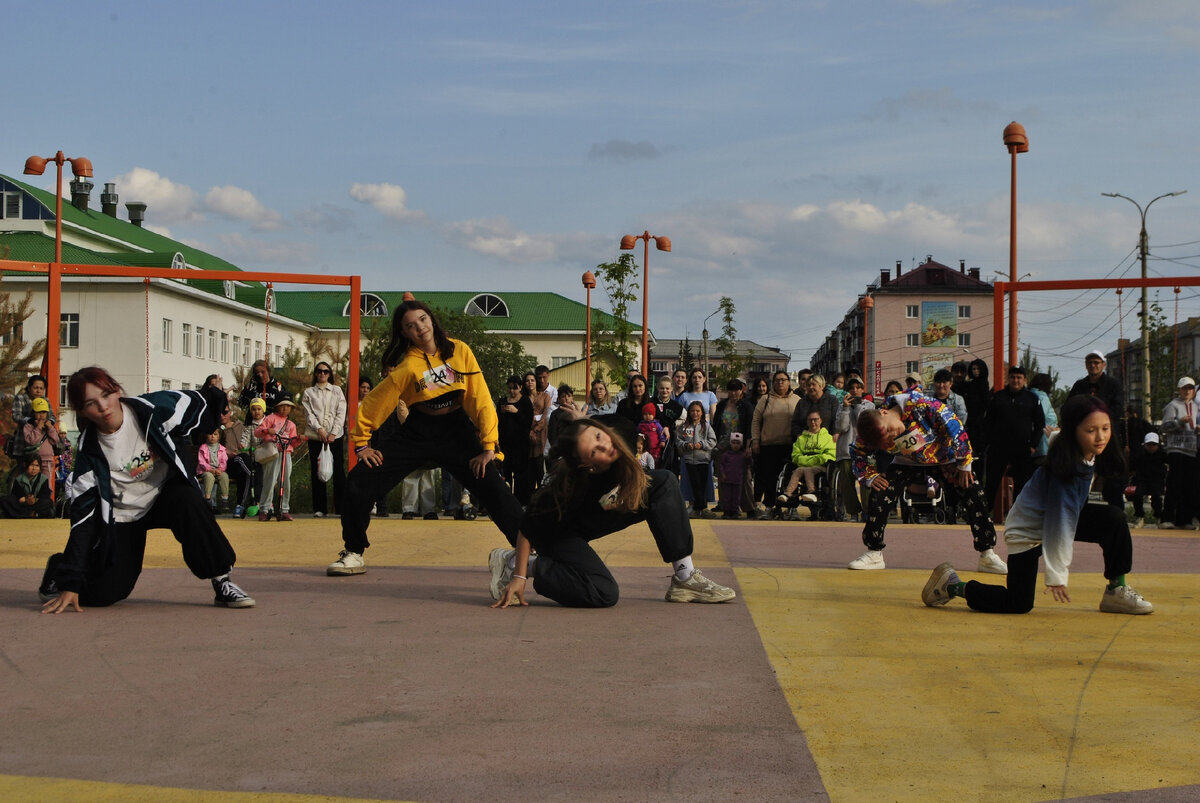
{"x":528,"y":311}
{"x":32,"y":246}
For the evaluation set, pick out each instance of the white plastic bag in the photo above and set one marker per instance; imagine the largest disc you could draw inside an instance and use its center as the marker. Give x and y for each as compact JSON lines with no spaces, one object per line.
{"x":325,"y":464}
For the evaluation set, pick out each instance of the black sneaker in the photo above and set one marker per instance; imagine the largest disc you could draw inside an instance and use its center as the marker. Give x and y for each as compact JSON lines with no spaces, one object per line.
{"x":407,"y":515}
{"x":431,"y":516}
{"x":229,"y":595}
{"x":48,"y":590}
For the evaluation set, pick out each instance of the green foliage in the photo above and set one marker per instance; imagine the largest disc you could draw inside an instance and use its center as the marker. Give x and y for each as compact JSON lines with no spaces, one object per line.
{"x":726,"y":345}
{"x":687,"y":360}
{"x":1162,"y":359}
{"x":18,"y":359}
{"x":619,"y":281}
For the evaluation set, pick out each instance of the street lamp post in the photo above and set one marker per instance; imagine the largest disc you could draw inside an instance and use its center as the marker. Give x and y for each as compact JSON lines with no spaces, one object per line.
{"x":81,"y":167}
{"x":704,"y":334}
{"x":662,"y":244}
{"x":1144,"y":248}
{"x":589,"y":282}
{"x":865,"y":305}
{"x":1017,"y":142}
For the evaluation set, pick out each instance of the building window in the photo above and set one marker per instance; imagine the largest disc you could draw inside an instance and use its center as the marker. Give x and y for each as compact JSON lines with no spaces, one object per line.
{"x":257,"y":350}
{"x":224,"y":347}
{"x":559,"y":362}
{"x":166,"y":384}
{"x":167,"y":326}
{"x":278,"y":356}
{"x":912,"y":311}
{"x":186,"y":386}
{"x":62,"y":391}
{"x":14,"y":335}
{"x":212,"y":344}
{"x":187,"y":340}
{"x":369,"y":306}
{"x":658,"y":367}
{"x":911,"y":366}
{"x":199,"y":342}
{"x":228,"y":287}
{"x":912,"y":340}
{"x":964,"y":339}
{"x":237,"y":349}
{"x":486,"y":305}
{"x":11,"y":209}
{"x":964,"y":310}
{"x":246,"y":352}
{"x":68,"y":330}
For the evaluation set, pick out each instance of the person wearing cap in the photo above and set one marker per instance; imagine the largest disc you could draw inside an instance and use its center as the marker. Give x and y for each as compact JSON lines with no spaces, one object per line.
{"x":1108,"y":389}
{"x":129,"y":478}
{"x":1149,"y":476}
{"x":1016,"y":424}
{"x":913,"y":379}
{"x":42,"y":437}
{"x":733,"y":473}
{"x":278,"y":428}
{"x":1179,"y":442}
{"x":652,"y":430}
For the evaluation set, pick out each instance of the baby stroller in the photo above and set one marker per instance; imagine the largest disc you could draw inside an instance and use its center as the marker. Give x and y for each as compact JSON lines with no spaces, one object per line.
{"x":818,"y":500}
{"x":922,"y":502}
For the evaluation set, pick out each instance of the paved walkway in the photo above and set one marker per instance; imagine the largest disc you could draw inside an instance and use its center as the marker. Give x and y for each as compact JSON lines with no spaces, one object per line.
{"x":816,"y":684}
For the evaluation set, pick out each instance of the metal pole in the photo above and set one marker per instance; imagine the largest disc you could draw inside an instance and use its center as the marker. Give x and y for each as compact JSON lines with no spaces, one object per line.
{"x":588,"y":345}
{"x":54,"y":297}
{"x":1012,"y":268}
{"x":646,"y":305}
{"x":1144,"y":244}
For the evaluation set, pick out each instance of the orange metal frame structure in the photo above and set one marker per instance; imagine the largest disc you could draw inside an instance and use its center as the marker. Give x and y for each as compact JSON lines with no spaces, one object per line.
{"x":353,"y":282}
{"x":1000,"y":289}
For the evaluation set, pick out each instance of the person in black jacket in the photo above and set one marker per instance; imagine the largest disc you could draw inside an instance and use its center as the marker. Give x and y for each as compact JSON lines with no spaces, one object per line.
{"x":1108,"y":389}
{"x":1015,"y":424}
{"x":597,"y":487}
{"x":260,"y":384}
{"x":976,"y":392}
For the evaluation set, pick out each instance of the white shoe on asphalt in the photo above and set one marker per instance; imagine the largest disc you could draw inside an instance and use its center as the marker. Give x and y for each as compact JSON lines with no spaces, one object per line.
{"x":1124,"y":599}
{"x":346,"y":564}
{"x":870,"y":560}
{"x":501,"y":573}
{"x":990,"y":562}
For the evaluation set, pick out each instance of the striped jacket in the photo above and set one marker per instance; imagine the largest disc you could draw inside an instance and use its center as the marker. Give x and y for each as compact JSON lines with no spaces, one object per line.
{"x":163,"y":417}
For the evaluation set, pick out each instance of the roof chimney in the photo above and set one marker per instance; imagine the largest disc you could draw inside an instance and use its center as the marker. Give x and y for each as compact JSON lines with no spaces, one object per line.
{"x":81,"y":191}
{"x":108,"y":200}
{"x":885,"y":275}
{"x":974,"y":273}
{"x":962,"y":266}
{"x":898,"y":264}
{"x":137,"y":212}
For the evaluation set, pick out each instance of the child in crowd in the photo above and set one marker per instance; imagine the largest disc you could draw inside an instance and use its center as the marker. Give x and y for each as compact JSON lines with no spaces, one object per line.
{"x":652,"y":430}
{"x":564,"y":412}
{"x":644,"y":458}
{"x":29,"y":496}
{"x":696,"y":440}
{"x":813,"y":450}
{"x":923,"y":436}
{"x":733,"y":467}
{"x":1061,"y":504}
{"x":278,"y":424}
{"x":1149,"y":478}
{"x":41,"y":436}
{"x":211,"y":465}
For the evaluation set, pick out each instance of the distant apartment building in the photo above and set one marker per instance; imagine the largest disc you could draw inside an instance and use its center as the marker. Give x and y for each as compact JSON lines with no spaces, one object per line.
{"x":667,"y":356}
{"x":921,"y":321}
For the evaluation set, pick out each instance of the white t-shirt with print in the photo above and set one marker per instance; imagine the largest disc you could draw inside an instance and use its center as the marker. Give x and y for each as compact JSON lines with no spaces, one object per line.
{"x":138,"y":474}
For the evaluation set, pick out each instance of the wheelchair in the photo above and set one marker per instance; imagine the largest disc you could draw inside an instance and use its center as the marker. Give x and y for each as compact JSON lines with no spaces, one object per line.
{"x":819,"y":510}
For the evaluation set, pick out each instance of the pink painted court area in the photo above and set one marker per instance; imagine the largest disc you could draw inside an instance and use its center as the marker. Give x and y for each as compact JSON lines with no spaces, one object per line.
{"x":817,"y":683}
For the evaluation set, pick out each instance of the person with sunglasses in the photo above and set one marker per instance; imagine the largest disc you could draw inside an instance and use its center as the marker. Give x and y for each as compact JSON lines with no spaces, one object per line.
{"x":324,"y":406}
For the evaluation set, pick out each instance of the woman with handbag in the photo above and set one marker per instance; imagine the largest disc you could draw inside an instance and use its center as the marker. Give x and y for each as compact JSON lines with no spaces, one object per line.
{"x":325,"y":428}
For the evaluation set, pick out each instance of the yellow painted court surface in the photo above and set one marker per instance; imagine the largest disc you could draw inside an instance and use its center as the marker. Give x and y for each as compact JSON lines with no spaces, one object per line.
{"x":897,"y":701}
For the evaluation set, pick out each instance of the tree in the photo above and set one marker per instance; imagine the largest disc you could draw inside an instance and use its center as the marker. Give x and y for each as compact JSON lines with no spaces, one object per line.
{"x":619,"y":280}
{"x":734,"y":364}
{"x":687,"y":360}
{"x":18,"y":359}
{"x":1162,"y":362}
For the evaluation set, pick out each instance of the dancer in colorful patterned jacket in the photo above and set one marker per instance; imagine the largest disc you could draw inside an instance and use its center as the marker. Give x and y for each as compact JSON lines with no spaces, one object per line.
{"x":924,"y":437}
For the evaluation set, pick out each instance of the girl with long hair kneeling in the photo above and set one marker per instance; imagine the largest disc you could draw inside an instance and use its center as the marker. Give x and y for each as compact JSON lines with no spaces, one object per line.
{"x":597,"y":487}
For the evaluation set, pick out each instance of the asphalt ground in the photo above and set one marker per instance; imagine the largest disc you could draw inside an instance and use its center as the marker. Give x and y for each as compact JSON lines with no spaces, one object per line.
{"x":816,"y":683}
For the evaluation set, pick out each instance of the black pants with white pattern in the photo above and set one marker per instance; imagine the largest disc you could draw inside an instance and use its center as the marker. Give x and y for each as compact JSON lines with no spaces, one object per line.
{"x":969,"y":502}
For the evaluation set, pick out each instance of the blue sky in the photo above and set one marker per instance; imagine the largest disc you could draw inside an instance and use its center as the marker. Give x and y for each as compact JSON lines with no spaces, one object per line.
{"x":789,"y":149}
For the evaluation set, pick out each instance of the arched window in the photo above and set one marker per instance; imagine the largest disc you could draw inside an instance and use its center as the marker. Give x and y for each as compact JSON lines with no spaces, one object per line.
{"x":227,"y":286}
{"x":486,"y":305}
{"x":178,"y":262}
{"x":370,"y":306}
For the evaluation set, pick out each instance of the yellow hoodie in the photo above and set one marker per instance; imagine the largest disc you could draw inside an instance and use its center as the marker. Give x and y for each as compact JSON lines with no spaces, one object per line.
{"x":422,"y":377}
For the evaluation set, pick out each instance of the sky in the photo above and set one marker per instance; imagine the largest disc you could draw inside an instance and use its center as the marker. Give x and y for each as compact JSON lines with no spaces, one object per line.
{"x":790,"y":150}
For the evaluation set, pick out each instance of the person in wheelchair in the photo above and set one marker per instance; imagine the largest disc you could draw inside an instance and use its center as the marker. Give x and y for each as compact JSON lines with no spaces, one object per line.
{"x":812,"y":452}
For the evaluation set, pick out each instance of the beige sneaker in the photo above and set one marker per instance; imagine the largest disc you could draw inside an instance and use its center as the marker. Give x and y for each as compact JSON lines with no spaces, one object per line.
{"x":698,"y":588}
{"x":347,"y":563}
{"x":501,"y":573}
{"x":1124,"y":599}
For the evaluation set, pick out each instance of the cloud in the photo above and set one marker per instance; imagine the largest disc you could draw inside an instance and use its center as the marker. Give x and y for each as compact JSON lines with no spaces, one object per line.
{"x":622,"y":150}
{"x":167,"y":202}
{"x":495,"y":237}
{"x":940,"y":104}
{"x":390,"y":200}
{"x":246,"y":251}
{"x":327,"y":218}
{"x":236,"y":203}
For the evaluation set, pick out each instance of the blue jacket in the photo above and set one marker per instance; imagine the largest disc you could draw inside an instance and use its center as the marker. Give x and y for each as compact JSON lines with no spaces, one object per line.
{"x":1046,"y":514}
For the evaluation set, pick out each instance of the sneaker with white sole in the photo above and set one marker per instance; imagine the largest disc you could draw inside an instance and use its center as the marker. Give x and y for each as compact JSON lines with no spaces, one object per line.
{"x":347,"y":563}
{"x":501,"y":572}
{"x":698,"y":588}
{"x":809,"y":498}
{"x":990,"y":563}
{"x":229,"y":595}
{"x":936,"y":591}
{"x":867,"y":561}
{"x":1124,"y":599}
{"x":1140,"y":523}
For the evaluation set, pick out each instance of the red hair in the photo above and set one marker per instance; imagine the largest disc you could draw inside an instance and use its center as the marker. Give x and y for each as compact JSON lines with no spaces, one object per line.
{"x":92,"y":375}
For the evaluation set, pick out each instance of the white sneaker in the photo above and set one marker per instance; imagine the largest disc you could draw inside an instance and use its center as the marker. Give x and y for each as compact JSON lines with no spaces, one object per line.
{"x":1139,"y":524}
{"x":699,"y":588}
{"x":346,"y":564}
{"x":501,"y":573}
{"x":867,"y":561}
{"x":990,"y":562}
{"x":809,"y":498}
{"x":1166,"y":525}
{"x":936,"y":588}
{"x":1124,"y":599}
